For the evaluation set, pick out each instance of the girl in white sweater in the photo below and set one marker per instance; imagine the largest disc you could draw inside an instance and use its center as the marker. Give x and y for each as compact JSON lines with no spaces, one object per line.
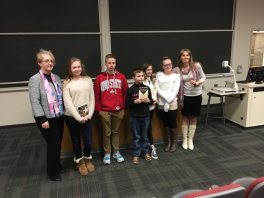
{"x":78,"y":98}
{"x":148,"y":80}
{"x":168,"y":84}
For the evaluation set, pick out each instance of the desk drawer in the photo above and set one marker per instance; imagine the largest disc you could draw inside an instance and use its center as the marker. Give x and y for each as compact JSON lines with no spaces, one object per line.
{"x":256,"y":116}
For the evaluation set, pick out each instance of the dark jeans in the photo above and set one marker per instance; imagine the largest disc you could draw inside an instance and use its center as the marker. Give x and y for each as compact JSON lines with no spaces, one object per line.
{"x":149,"y":132}
{"x":168,"y":118}
{"x":86,"y":129}
{"x":139,"y":127}
{"x":53,"y":136}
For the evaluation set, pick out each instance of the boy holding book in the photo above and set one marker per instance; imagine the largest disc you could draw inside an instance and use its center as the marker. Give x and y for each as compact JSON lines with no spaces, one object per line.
{"x":138,"y":99}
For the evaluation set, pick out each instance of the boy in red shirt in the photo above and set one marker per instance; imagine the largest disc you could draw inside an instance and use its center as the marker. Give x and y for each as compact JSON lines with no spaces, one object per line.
{"x":110,"y":89}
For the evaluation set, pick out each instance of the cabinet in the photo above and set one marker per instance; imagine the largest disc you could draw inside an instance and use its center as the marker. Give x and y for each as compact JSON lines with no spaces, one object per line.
{"x":248,"y":110}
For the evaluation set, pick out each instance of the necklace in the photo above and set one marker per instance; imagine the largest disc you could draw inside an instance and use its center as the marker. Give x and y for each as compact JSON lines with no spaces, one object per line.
{"x":186,"y":70}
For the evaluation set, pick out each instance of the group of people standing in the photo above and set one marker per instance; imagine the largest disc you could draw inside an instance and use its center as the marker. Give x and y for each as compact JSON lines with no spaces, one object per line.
{"x":77,"y":98}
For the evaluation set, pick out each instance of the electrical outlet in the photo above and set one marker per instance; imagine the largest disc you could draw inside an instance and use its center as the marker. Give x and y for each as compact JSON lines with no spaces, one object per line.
{"x":215,"y":85}
{"x":203,"y":86}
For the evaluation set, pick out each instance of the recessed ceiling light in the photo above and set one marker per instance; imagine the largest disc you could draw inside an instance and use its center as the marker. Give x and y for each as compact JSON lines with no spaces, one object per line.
{"x":258,"y":31}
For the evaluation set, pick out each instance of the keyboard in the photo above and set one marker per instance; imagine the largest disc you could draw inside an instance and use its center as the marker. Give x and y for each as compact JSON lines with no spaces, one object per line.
{"x":242,"y":81}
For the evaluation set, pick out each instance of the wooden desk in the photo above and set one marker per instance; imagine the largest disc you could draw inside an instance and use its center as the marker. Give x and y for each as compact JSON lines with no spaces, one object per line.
{"x":124,"y":130}
{"x":249,"y":110}
{"x":225,"y":94}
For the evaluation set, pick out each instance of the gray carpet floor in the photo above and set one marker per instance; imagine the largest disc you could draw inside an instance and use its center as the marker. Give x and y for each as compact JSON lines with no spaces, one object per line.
{"x":219,"y":157}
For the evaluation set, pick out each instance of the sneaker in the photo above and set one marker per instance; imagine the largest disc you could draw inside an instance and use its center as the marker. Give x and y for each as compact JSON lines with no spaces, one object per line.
{"x":135,"y":160}
{"x":147,"y":157}
{"x":154,"y":153}
{"x":118,"y":156}
{"x":107,"y":159}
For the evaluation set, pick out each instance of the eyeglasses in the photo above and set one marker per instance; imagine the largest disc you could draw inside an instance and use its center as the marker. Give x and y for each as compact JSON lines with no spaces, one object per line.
{"x":168,"y":65}
{"x":48,"y":61}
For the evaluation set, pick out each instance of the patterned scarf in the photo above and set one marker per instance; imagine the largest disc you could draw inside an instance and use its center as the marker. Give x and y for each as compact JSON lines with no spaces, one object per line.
{"x":196,"y":78}
{"x":56,"y":109}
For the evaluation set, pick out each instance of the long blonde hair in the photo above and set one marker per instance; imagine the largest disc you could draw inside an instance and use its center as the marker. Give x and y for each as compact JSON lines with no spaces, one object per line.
{"x":68,"y":72}
{"x":144,"y":69}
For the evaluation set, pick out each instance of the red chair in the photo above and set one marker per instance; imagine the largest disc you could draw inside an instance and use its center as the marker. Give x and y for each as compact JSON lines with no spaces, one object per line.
{"x":254,"y":186}
{"x":229,"y":191}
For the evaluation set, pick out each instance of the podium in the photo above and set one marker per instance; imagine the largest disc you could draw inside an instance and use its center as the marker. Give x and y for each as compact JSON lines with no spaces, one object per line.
{"x":248,"y":109}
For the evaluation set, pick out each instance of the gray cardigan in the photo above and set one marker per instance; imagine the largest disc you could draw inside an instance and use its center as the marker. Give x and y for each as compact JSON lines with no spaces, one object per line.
{"x":38,"y":97}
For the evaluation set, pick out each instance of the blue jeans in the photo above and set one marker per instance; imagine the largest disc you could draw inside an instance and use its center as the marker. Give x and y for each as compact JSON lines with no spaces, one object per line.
{"x":139,"y":127}
{"x":86,"y":129}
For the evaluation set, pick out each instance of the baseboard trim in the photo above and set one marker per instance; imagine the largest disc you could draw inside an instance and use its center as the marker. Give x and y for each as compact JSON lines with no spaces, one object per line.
{"x":211,"y":105}
{"x":17,"y":126}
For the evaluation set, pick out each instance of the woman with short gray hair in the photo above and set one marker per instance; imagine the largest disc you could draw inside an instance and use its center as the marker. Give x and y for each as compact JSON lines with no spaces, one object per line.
{"x":45,"y":93}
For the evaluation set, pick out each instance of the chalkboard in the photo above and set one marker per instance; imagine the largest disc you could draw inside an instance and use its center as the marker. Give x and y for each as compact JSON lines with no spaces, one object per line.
{"x":18,"y":54}
{"x":209,"y":48}
{"x":49,"y":16}
{"x":150,"y":15}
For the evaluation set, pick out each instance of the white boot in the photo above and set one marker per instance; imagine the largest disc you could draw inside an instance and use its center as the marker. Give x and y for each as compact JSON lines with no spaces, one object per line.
{"x":184,"y":136}
{"x":192,"y":129}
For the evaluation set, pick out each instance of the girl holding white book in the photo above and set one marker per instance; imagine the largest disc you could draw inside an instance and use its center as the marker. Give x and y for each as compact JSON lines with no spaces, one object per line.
{"x":78,"y":95}
{"x":148,"y":80}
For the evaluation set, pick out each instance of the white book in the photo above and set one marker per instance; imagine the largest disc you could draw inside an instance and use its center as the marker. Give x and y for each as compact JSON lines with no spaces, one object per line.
{"x":154,"y":93}
{"x":83,"y":110}
{"x":143,"y":92}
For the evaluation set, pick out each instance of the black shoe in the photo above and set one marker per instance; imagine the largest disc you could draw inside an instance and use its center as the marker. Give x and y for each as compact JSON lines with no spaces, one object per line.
{"x":62,"y":171}
{"x":56,"y":178}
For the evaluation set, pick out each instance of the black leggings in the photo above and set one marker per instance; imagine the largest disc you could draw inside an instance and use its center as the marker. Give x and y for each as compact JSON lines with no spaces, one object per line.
{"x":168,"y":118}
{"x":149,"y":132}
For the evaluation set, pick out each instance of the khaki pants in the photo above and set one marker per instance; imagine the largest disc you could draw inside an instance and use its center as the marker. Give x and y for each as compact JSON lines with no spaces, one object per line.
{"x":110,"y":122}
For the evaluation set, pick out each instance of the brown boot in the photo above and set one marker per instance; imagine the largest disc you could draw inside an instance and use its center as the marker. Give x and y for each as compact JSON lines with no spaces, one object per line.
{"x":81,"y":166}
{"x":174,"y":137}
{"x":168,"y":137}
{"x":89,"y":165}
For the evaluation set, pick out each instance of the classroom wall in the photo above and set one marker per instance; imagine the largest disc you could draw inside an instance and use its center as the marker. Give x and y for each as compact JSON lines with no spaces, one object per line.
{"x":15,"y":107}
{"x":249,"y":17}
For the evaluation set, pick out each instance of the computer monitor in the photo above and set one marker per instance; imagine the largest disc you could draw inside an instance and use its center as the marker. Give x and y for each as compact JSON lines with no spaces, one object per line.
{"x":255,"y":74}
